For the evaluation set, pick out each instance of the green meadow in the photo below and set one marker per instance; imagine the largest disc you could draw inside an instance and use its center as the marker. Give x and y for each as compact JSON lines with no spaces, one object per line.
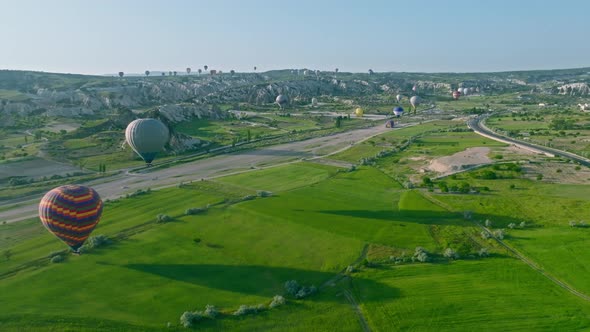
{"x":352,"y":233}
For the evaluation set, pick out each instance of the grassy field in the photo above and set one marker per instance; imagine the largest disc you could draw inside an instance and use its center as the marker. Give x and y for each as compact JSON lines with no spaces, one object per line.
{"x":319,"y":220}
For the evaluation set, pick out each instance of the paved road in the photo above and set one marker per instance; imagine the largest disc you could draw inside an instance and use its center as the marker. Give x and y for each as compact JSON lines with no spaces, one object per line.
{"x":477,"y":125}
{"x":119,"y":185}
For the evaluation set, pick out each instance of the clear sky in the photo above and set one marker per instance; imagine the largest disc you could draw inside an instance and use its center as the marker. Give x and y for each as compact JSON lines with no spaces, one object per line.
{"x":107,"y":36}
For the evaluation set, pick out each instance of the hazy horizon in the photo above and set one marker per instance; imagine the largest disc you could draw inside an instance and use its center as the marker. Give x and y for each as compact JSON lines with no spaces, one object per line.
{"x":68,"y":36}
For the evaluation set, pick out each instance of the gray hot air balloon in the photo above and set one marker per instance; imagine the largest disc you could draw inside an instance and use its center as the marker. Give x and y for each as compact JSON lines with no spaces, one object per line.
{"x":399,"y":98}
{"x":415,"y":101}
{"x":188,"y":70}
{"x":147,"y":73}
{"x":465,"y":91}
{"x":281,"y":100}
{"x":147,"y":137}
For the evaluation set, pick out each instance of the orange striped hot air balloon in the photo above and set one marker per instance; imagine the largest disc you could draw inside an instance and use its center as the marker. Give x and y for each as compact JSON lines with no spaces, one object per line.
{"x":71,"y":213}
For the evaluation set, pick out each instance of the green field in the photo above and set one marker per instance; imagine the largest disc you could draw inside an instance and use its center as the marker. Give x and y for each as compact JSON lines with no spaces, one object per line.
{"x":318,"y":221}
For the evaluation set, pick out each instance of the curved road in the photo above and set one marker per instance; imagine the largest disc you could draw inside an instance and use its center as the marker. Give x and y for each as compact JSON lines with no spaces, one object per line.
{"x":478,"y":126}
{"x":220,"y":165}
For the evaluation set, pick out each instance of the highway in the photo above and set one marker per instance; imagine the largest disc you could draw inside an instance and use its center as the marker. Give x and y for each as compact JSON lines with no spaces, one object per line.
{"x":478,"y":126}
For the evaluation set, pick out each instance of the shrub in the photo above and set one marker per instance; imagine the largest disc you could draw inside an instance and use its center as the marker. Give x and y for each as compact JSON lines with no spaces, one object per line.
{"x":57,"y":259}
{"x":162,"y":218}
{"x":211,"y":311}
{"x":522,"y":225}
{"x":292,"y":287}
{"x":572,"y":223}
{"x":511,"y":225}
{"x":350,"y":269}
{"x":277,"y":301}
{"x":499,"y":234}
{"x":305,"y":292}
{"x":512,"y":186}
{"x":189,"y":319}
{"x":97,"y":241}
{"x":483,"y":252}
{"x":539,"y":177}
{"x":245,"y":310}
{"x":421,"y":255}
{"x":451,"y":254}
{"x":488,"y":223}
{"x":263,"y":193}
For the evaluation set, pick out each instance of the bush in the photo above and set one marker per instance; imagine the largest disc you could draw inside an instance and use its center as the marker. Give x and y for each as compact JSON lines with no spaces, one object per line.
{"x":292,"y":287}
{"x":522,"y":225}
{"x":277,"y":301}
{"x":511,"y":225}
{"x":451,"y":254}
{"x":57,"y":259}
{"x":305,"y":292}
{"x":263,"y":193}
{"x":193,"y":211}
{"x":97,"y":241}
{"x":483,"y":252}
{"x":485,"y":235}
{"x":245,"y":310}
{"x":499,"y":234}
{"x":421,"y":255}
{"x":211,"y":311}
{"x":350,"y":269}
{"x":162,"y":218}
{"x":189,"y":319}
{"x":488,"y":223}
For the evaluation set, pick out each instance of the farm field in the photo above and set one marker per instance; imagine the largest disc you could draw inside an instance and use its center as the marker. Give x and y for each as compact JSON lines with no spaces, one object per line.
{"x":314,"y":225}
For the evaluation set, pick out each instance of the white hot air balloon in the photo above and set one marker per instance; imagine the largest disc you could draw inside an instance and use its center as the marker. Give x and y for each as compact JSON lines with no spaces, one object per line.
{"x":314,"y":102}
{"x":399,"y":98}
{"x":147,"y":137}
{"x":281,"y":100}
{"x":415,"y":101}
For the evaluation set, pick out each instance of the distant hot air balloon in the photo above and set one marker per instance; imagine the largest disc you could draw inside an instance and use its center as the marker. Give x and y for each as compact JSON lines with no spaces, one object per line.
{"x":147,"y":137}
{"x":254,"y":68}
{"x":170,"y":73}
{"x":389,"y":124}
{"x":371,"y":72}
{"x":205,"y":67}
{"x":415,"y":101}
{"x":456,"y":94}
{"x":121,"y":74}
{"x":199,"y":71}
{"x":399,"y":98}
{"x":336,"y":70}
{"x":147,"y":73}
{"x":314,"y":102}
{"x":281,"y":100}
{"x":414,"y":88}
{"x":359,"y":112}
{"x":188,"y":70}
{"x":232,"y":72}
{"x":471,"y":90}
{"x":465,"y":91}
{"x":163,"y":74}
{"x":174,"y":72}
{"x":398,"y":111}
{"x":305,"y":72}
{"x":71,"y":213}
{"x":213,"y":72}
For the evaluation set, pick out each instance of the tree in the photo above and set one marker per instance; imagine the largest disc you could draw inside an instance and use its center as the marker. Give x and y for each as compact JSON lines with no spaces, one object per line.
{"x":7,"y":254}
{"x":511,"y":225}
{"x":426,"y":181}
{"x":38,"y":135}
{"x":26,"y":139}
{"x":488,"y":223}
{"x":443,"y":187}
{"x":248,"y":135}
{"x":483,"y":252}
{"x":338,"y":122}
{"x":539,"y":177}
{"x":499,"y":234}
{"x":522,"y":225}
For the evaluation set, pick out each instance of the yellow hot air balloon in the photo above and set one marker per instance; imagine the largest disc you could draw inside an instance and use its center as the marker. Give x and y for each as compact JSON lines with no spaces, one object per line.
{"x":359,"y":112}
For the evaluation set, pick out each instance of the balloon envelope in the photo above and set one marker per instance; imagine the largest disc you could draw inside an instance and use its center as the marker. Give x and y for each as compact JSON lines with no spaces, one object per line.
{"x":147,"y":137}
{"x":398,"y":111}
{"x":415,"y":101}
{"x":359,"y":112}
{"x":314,"y":102}
{"x":281,"y":100}
{"x":398,"y":98}
{"x":456,"y":95}
{"x":71,"y":213}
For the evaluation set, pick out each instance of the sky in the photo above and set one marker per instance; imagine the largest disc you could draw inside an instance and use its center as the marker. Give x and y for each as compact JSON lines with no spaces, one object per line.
{"x":108,"y":36}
